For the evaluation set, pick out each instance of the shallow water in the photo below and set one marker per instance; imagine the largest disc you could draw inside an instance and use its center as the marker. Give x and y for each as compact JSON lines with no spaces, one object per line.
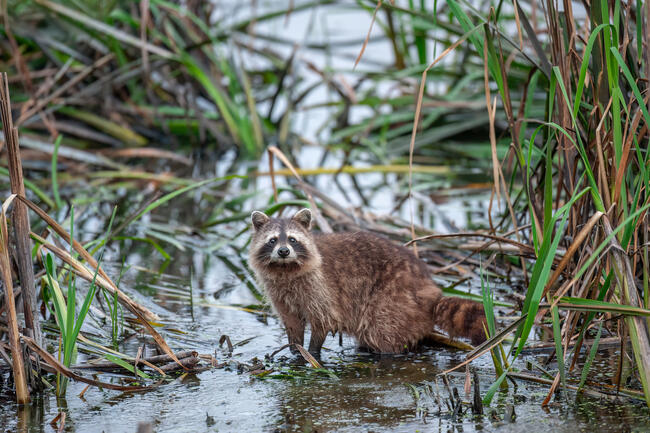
{"x":368,"y":392}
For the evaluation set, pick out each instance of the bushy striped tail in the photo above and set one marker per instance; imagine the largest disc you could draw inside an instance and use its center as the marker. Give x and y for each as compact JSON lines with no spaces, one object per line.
{"x":460,"y":317}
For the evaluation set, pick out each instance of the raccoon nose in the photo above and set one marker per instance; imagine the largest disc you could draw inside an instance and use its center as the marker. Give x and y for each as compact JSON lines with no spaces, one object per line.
{"x":283,"y":252}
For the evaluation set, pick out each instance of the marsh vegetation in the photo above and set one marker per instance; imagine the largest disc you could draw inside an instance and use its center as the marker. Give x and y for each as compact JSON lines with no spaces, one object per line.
{"x":507,"y":143}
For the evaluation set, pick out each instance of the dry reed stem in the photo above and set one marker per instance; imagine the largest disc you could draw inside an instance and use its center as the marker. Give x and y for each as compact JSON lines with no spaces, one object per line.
{"x":443,"y":339}
{"x":272,"y":174}
{"x":566,"y":333}
{"x":518,"y":246}
{"x":627,"y":147}
{"x":59,"y":418}
{"x":397,"y":168}
{"x":602,"y":172}
{"x":573,"y":248}
{"x":143,"y":314}
{"x":21,"y":64}
{"x":144,"y":152}
{"x":491,"y":109}
{"x":135,"y":308}
{"x":22,"y":392}
{"x":646,"y":52}
{"x":20,"y":220}
{"x":518,"y":24}
{"x":144,"y":23}
{"x":487,"y":345}
{"x":308,"y":356}
{"x":365,"y":42}
{"x":80,"y":269}
{"x":289,"y":11}
{"x":586,"y":391}
{"x":150,"y":361}
{"x":102,"y":277}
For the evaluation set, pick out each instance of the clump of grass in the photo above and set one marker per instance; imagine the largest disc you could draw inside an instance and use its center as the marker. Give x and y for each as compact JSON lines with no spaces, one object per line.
{"x":65,"y":306}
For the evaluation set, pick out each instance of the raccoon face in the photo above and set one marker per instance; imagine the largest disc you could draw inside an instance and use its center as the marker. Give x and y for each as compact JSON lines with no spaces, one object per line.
{"x":281,"y":243}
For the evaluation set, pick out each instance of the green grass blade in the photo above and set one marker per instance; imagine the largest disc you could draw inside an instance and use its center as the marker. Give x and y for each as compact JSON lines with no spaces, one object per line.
{"x":126,"y":365}
{"x":58,"y":299}
{"x":596,"y":253}
{"x":635,"y":89}
{"x":559,"y":352}
{"x":55,"y":183}
{"x":590,"y":358}
{"x":111,"y":128}
{"x":69,"y":342}
{"x":541,"y":271}
{"x":93,"y":286}
{"x":216,"y":95}
{"x":598,"y":201}
{"x":585,"y":64}
{"x":488,"y":303}
{"x":493,"y":388}
{"x":601,"y":306}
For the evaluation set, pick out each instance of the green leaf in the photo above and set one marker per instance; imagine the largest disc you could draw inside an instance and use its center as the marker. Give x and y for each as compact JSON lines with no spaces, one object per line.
{"x":126,"y":365}
{"x":559,"y":352}
{"x":590,"y":358}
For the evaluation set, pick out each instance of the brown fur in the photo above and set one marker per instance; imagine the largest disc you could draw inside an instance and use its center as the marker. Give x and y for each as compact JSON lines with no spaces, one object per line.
{"x":356,"y":283}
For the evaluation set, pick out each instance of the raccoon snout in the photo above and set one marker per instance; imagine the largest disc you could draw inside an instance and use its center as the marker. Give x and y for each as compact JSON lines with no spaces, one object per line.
{"x":284,"y":252}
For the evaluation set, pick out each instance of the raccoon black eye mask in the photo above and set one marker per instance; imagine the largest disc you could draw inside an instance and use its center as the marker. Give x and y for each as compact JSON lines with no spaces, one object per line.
{"x":357,"y":283}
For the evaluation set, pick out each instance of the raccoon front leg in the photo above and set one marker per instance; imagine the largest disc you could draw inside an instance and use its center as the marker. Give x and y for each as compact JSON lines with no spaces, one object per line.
{"x":318,"y":334}
{"x":295,"y":332}
{"x":294,"y":325}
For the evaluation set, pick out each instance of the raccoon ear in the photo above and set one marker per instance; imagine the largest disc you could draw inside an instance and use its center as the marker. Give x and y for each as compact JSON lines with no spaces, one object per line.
{"x":303,"y":217}
{"x":259,"y":219}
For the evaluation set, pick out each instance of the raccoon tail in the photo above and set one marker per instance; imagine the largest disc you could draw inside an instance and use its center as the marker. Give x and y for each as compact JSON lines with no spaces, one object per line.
{"x":460,"y":317}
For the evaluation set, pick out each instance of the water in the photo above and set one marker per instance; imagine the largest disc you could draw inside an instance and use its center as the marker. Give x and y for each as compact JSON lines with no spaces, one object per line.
{"x":369,"y":393}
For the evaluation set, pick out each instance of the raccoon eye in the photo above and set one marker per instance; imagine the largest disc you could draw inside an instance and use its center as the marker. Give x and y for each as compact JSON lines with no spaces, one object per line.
{"x":272,"y":241}
{"x":292,"y":240}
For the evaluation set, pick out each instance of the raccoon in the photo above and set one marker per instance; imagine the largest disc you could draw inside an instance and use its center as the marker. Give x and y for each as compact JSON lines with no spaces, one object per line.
{"x":356,"y":283}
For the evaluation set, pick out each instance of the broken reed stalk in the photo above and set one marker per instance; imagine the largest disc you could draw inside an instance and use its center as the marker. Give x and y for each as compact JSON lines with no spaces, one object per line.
{"x":26,"y":272}
{"x":156,"y":359}
{"x":22,"y":392}
{"x":20,"y":219}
